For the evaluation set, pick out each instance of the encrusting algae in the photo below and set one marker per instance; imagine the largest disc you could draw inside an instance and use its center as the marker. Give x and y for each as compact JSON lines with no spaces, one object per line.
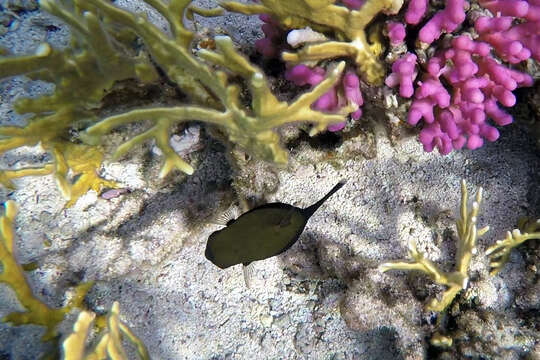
{"x":458,"y":279}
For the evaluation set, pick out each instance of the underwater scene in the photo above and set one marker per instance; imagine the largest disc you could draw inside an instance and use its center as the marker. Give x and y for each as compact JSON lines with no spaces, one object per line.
{"x":266,"y":179}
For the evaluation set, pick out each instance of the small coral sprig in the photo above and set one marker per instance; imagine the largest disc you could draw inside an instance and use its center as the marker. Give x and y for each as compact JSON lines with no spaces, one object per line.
{"x":70,"y":161}
{"x":500,"y":251}
{"x":458,"y":279}
{"x":36,"y":312}
{"x":110,"y":344}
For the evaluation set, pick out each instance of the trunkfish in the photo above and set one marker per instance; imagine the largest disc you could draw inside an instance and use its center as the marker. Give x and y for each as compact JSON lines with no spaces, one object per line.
{"x":265,"y":231}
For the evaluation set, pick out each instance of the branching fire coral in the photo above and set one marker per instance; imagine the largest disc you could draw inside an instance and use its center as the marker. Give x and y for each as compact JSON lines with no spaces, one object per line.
{"x":36,"y":312}
{"x":347,"y":24}
{"x":110,"y":344}
{"x":105,"y":48}
{"x":82,"y":160}
{"x":458,"y":279}
{"x":321,"y":32}
{"x":499,"y":253}
{"x":82,"y":74}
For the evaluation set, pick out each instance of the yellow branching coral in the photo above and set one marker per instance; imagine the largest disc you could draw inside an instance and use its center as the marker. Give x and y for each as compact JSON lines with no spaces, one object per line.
{"x":36,"y":312}
{"x":102,"y":52}
{"x":109,"y":345}
{"x":458,"y":279}
{"x":500,"y":251}
{"x":347,"y":26}
{"x":251,"y":127}
{"x":81,"y":160}
{"x":82,"y":73}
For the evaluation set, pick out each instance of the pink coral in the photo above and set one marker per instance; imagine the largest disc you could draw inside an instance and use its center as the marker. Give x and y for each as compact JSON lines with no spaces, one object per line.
{"x":446,"y":20}
{"x":270,"y":46}
{"x":478,"y":83}
{"x":403,"y":73}
{"x":462,"y":85}
{"x":353,"y":4}
{"x":396,"y":32}
{"x":415,"y":11}
{"x":512,"y":42}
{"x":347,"y":90}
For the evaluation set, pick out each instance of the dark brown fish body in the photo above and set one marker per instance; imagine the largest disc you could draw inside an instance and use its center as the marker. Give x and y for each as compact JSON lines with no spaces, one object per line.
{"x":260,"y":233}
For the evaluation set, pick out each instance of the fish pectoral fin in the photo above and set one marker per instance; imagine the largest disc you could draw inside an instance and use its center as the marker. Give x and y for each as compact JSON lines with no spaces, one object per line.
{"x":249,"y":273}
{"x":285,"y":221}
{"x":227,"y":217}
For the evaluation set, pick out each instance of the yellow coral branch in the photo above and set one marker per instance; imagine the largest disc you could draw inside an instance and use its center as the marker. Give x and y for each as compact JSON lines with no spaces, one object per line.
{"x":110,"y":344}
{"x":456,"y":280}
{"x":348,"y":27}
{"x":82,"y":74}
{"x":23,"y":64}
{"x":12,"y":275}
{"x":246,"y":9}
{"x":83,"y":161}
{"x":102,"y":53}
{"x":500,"y":251}
{"x":191,"y":10}
{"x":7,"y":175}
{"x":74,"y":344}
{"x":253,"y":131}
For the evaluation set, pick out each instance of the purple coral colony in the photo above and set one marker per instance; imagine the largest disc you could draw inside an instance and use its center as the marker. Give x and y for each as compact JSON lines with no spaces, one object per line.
{"x":456,"y":81}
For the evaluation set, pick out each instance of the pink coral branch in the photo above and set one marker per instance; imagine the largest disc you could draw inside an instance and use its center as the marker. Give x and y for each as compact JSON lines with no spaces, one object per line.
{"x":513,"y":43}
{"x":478,"y":83}
{"x":396,"y":33}
{"x":446,"y":20}
{"x":270,"y":46}
{"x":346,"y":91}
{"x":403,"y":74}
{"x":415,"y":11}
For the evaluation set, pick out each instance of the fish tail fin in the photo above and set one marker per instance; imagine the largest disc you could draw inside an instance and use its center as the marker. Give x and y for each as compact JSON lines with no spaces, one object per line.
{"x":311,"y":209}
